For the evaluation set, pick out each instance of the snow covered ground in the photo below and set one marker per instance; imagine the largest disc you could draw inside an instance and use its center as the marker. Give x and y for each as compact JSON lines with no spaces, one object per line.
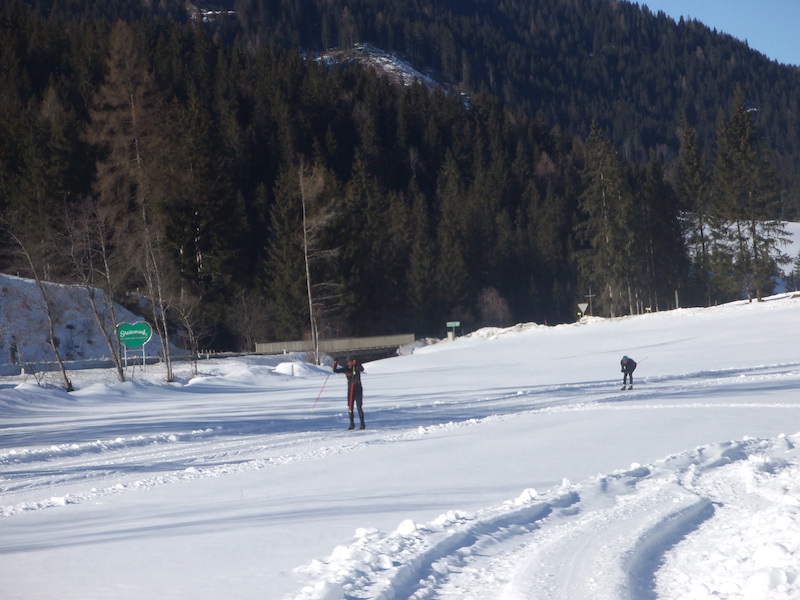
{"x":507,"y":464}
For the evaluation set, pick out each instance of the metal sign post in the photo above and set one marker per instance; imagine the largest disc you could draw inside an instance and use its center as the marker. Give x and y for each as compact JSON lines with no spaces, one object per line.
{"x":451,"y":335}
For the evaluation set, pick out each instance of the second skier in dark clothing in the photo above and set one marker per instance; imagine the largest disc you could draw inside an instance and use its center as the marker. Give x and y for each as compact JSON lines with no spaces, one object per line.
{"x":628,"y":366}
{"x":355,"y":393}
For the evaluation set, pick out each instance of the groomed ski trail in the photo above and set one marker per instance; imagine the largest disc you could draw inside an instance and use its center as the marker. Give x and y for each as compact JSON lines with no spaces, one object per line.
{"x":616,"y":529}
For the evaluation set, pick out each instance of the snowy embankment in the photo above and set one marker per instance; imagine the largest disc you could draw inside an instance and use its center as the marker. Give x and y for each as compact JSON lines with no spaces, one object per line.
{"x":507,"y":464}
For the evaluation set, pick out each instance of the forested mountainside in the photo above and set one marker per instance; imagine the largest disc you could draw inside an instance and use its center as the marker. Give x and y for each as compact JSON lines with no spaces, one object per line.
{"x":214,"y":165}
{"x":634,"y":72}
{"x":573,"y":61}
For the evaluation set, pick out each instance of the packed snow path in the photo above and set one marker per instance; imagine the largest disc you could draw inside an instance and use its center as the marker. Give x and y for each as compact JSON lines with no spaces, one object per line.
{"x":604,"y":539}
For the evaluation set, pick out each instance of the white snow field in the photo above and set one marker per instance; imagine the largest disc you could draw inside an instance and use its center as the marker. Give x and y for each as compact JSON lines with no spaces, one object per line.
{"x":507,"y":464}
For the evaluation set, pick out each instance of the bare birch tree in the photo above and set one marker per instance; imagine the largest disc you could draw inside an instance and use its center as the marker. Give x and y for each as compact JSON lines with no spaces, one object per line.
{"x":89,"y":249}
{"x":49,"y":307}
{"x":188,"y":313}
{"x":317,"y":217}
{"x":153,"y":265}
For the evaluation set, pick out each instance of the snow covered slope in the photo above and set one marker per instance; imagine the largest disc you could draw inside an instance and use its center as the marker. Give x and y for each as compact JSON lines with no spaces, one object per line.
{"x":506,"y":464}
{"x":23,"y":316}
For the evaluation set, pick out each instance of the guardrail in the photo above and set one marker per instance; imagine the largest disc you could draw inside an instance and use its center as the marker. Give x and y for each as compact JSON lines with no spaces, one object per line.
{"x":337,"y":346}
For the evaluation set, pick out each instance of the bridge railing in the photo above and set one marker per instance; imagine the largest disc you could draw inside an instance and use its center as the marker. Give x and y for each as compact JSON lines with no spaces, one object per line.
{"x":337,"y":346}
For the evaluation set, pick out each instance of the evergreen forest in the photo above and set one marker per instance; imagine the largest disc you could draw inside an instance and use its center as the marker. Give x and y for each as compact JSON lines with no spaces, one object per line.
{"x":206,"y":159}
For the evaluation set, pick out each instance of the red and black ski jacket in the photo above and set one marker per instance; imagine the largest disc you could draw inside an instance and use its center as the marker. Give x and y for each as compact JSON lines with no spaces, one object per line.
{"x":353,"y":373}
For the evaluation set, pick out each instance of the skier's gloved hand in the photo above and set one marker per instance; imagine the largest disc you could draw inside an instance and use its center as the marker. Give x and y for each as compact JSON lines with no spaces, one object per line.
{"x":334,"y":364}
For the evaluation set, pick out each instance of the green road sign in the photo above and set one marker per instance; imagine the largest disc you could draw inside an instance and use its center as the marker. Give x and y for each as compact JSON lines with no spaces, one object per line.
{"x":134,"y":335}
{"x":454,"y":323}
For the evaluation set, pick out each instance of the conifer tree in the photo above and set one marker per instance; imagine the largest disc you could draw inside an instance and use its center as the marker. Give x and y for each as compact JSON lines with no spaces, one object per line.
{"x":693,"y":196}
{"x":452,"y":274}
{"x":793,"y":281}
{"x":301,"y":279}
{"x":205,"y":217}
{"x":124,"y":127}
{"x":285,"y":263}
{"x":662,"y":245}
{"x":608,"y":262}
{"x":421,"y":270}
{"x":748,"y":236}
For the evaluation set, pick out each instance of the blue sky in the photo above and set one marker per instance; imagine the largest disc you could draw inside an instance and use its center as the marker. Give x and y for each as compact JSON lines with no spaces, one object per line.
{"x":769,"y":26}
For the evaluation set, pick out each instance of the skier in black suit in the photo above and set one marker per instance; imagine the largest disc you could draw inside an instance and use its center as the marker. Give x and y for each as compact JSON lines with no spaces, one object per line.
{"x":628,"y":366}
{"x":355,"y":393}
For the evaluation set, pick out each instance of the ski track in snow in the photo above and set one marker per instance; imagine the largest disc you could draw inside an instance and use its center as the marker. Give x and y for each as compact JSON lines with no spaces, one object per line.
{"x":212,"y":452}
{"x":617,"y":529}
{"x":623,"y":531}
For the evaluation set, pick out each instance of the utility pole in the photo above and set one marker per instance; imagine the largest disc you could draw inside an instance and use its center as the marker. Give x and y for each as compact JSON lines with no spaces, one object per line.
{"x":590,"y":295}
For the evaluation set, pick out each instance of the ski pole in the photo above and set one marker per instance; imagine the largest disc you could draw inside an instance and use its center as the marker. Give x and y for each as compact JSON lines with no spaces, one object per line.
{"x":320,"y":392}
{"x":350,"y":400}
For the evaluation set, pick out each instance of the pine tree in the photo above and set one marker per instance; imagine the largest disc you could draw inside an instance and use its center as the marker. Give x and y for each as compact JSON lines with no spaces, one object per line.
{"x":366,"y":260}
{"x":452,"y":274}
{"x":608,"y":263}
{"x":661,"y":241}
{"x":693,"y":196}
{"x":284,"y":266}
{"x":748,"y":235}
{"x":300,"y":253}
{"x":205,"y":215}
{"x":125,"y":127}
{"x":793,"y":281}
{"x":420,"y":276}
{"x":124,"y":130}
